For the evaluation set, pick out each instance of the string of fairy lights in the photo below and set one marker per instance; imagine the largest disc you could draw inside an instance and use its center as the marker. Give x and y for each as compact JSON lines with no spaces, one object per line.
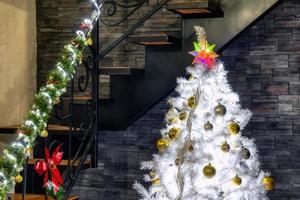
{"x":13,"y":157}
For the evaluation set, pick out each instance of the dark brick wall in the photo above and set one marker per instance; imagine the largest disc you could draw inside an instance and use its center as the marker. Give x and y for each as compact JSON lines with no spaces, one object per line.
{"x":263,"y":65}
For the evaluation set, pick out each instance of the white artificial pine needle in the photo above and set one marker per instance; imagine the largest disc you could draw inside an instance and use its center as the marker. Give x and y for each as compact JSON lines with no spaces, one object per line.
{"x":212,"y":163}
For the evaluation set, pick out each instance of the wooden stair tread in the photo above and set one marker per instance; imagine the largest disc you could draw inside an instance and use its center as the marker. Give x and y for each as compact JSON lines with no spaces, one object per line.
{"x":153,"y":39}
{"x":197,"y":8}
{"x":86,"y":97}
{"x":16,"y":196}
{"x":56,"y":127}
{"x":79,"y":97}
{"x":32,"y":161}
{"x":51,"y":128}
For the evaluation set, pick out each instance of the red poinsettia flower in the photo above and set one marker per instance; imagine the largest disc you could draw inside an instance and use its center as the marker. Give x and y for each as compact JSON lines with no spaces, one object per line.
{"x":49,"y":165}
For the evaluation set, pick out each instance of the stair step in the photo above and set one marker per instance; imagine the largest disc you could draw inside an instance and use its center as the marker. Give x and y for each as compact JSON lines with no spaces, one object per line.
{"x":153,"y":39}
{"x":87,"y":163}
{"x":16,"y":196}
{"x":120,"y":71}
{"x":51,"y":128}
{"x":195,"y":9}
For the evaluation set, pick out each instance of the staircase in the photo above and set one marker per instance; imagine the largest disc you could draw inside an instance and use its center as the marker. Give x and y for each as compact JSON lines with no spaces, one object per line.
{"x":133,"y":91}
{"x":126,"y":93}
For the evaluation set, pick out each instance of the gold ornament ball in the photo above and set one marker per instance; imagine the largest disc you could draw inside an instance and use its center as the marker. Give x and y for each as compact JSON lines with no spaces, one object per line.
{"x":183,"y":116}
{"x":220,"y":110}
{"x":209,"y":171}
{"x":29,"y":150}
{"x":190,"y":78}
{"x":44,"y":133}
{"x":246,"y":153}
{"x":18,"y":179}
{"x":208,"y":126}
{"x":156,"y":181}
{"x":152,"y":174}
{"x":162,"y":144}
{"x":236,"y":180}
{"x":225,"y":147}
{"x":174,"y":133}
{"x":192,"y":102}
{"x":89,"y":41}
{"x":172,"y":120}
{"x":233,"y":128}
{"x":269,"y":183}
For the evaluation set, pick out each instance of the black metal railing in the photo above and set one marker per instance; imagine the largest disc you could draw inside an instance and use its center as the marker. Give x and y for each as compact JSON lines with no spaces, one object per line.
{"x":87,"y":133}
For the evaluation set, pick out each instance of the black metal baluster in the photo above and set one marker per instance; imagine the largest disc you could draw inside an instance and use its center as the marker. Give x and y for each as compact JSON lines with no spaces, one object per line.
{"x":25,"y":179}
{"x":95,"y":93}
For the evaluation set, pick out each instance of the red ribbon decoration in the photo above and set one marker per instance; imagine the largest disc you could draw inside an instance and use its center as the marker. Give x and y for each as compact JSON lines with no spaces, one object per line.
{"x":49,"y":165}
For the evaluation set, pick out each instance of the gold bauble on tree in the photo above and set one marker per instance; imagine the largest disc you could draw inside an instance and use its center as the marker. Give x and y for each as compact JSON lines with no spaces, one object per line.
{"x":209,"y":171}
{"x":152,"y":174}
{"x":174,"y":133}
{"x":225,"y":147}
{"x":172,"y":120}
{"x":156,"y":181}
{"x":192,"y":102}
{"x":246,"y":153}
{"x":28,"y":151}
{"x":162,"y":144}
{"x":44,"y":133}
{"x":220,"y":110}
{"x":236,"y":180}
{"x":233,"y":128}
{"x":183,"y":116}
{"x":18,"y":179}
{"x":208,"y":126}
{"x":190,"y":78}
{"x":269,"y":183}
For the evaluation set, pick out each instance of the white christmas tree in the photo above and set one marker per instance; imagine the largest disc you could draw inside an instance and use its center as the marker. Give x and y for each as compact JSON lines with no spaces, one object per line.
{"x":202,"y":153}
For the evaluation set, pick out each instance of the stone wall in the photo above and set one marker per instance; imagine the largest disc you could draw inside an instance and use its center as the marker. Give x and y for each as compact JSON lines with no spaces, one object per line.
{"x":263,"y":65}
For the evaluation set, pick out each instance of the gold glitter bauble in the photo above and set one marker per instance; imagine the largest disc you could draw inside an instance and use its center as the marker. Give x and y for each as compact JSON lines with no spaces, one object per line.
{"x":162,"y":144}
{"x":190,"y":78}
{"x":29,"y":151}
{"x":208,"y":126}
{"x":192,"y":102}
{"x":246,"y":153}
{"x":89,"y":41}
{"x":18,"y":179}
{"x":174,"y":133}
{"x":156,"y":181}
{"x":44,"y":134}
{"x":233,"y":128}
{"x":220,"y":110}
{"x":209,"y":171}
{"x":172,"y":120}
{"x":236,"y":180}
{"x":225,"y":147}
{"x":269,"y":183}
{"x":183,"y":116}
{"x":152,"y":174}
